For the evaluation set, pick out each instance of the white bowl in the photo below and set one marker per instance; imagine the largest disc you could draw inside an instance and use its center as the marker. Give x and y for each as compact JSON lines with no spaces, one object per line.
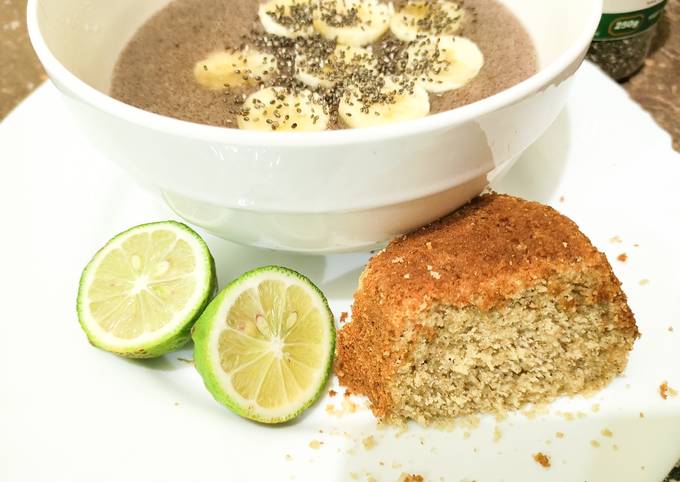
{"x":308,"y":192}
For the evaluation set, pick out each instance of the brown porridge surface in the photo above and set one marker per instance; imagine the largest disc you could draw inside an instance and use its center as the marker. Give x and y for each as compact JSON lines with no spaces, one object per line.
{"x":155,"y":70}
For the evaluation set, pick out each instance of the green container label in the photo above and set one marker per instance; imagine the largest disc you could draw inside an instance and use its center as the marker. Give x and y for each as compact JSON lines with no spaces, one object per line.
{"x":621,"y":25}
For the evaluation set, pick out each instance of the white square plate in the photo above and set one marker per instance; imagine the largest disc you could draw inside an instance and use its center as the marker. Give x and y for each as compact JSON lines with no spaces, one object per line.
{"x":69,"y":412}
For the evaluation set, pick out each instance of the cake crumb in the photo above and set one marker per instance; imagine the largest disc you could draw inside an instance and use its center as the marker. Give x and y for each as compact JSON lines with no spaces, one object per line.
{"x":644,"y":282}
{"x":315,"y":444}
{"x":370,"y":478}
{"x":623,"y":257}
{"x":595,"y":408}
{"x":368,"y":442}
{"x":607,"y":433}
{"x":470,"y":422}
{"x":343,"y":316}
{"x":176,"y":404}
{"x":466,"y":435}
{"x":332,"y":393}
{"x":663,"y":390}
{"x":559,"y":435}
{"x":595,"y":443}
{"x":670,"y":328}
{"x":289,"y":457}
{"x":349,"y":406}
{"x":561,"y":199}
{"x":616,"y":239}
{"x":642,"y":414}
{"x":497,"y":434}
{"x":411,"y":478}
{"x":396,"y":465}
{"x":536,"y":410}
{"x":542,"y":459}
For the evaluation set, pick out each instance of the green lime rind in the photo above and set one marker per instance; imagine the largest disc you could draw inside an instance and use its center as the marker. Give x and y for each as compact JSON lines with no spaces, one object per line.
{"x":206,"y":364}
{"x":171,"y":341}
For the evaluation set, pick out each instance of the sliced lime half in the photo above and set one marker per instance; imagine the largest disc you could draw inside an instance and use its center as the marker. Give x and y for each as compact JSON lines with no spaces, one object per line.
{"x":264,"y":346}
{"x":141,"y":293}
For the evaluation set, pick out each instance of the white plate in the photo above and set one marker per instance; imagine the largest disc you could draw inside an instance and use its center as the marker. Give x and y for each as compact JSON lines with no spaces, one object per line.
{"x":69,"y":412}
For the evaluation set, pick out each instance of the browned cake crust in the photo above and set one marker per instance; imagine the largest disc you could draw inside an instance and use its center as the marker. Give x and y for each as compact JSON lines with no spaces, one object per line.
{"x":482,"y":255}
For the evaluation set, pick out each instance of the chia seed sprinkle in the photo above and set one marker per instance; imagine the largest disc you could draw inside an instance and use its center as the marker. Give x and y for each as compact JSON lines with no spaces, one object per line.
{"x":297,"y":16}
{"x":355,"y":76}
{"x":330,"y":15}
{"x":439,"y":17}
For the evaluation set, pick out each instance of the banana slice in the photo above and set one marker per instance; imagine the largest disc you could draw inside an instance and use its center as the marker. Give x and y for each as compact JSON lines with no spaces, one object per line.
{"x":444,"y":63}
{"x":353,"y":22}
{"x":234,"y":69}
{"x":278,"y":109}
{"x":287,"y":18}
{"x":426,"y":17}
{"x":391,"y":103}
{"x":325,"y":72}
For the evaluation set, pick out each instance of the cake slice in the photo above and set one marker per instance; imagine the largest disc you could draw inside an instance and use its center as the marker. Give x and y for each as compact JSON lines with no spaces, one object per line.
{"x":502,"y":303}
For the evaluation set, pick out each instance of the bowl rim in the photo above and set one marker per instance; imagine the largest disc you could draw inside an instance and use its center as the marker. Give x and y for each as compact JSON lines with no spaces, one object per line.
{"x":238,"y":137}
